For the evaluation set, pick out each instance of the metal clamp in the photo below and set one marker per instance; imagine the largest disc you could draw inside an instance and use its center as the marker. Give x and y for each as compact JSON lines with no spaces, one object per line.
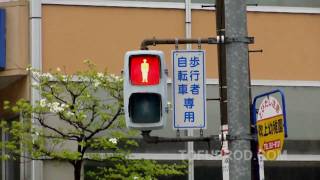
{"x":247,"y":40}
{"x":166,"y":71}
{"x":176,"y":43}
{"x":178,"y":133}
{"x":199,"y":43}
{"x":154,"y":41}
{"x":223,"y":137}
{"x":201,"y":132}
{"x":220,"y":39}
{"x":212,"y":40}
{"x":167,"y":109}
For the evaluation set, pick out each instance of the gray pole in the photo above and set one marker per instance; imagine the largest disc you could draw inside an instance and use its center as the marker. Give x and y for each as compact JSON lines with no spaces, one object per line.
{"x":220,"y":25}
{"x":237,"y":89}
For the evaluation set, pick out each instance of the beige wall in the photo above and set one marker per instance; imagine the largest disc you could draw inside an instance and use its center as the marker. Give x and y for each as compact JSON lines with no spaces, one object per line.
{"x":13,"y":80}
{"x":204,"y":25}
{"x":17,"y":38}
{"x":103,"y":35}
{"x":290,"y":43}
{"x":72,"y":34}
{"x":14,"y":92}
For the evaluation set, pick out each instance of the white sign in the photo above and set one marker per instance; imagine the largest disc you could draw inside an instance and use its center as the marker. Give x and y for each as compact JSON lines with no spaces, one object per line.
{"x":270,"y":127}
{"x":189,"y":90}
{"x":225,"y":155}
{"x":261,"y":166}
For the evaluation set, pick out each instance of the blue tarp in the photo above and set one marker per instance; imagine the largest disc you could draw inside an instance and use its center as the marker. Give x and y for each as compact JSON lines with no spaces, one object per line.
{"x":2,"y":39}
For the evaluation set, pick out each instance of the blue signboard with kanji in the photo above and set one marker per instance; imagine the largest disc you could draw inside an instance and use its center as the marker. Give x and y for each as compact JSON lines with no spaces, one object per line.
{"x":2,"y":39}
{"x":189,"y":90}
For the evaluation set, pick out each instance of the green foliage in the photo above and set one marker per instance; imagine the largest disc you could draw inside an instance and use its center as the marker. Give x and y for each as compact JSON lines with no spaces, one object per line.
{"x":136,"y":170}
{"x":70,"y":111}
{"x":76,"y":113}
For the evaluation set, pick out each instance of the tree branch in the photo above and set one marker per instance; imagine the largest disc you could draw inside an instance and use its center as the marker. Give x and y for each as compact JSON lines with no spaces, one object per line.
{"x":107,"y":126}
{"x":93,"y":116}
{"x":74,"y":124}
{"x":42,"y":123}
{"x":55,"y":96}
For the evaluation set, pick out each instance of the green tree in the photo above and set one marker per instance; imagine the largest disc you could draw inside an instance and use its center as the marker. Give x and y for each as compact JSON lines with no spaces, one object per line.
{"x":136,"y":170}
{"x":78,"y":113}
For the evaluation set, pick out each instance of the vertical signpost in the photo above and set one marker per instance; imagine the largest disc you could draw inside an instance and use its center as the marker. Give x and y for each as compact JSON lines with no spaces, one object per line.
{"x":225,"y":154}
{"x":221,"y":50}
{"x":271,"y":124}
{"x":189,"y":93}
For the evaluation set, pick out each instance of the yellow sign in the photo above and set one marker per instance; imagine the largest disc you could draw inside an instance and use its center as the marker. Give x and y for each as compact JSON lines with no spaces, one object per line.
{"x":270,"y":127}
{"x":271,"y":136}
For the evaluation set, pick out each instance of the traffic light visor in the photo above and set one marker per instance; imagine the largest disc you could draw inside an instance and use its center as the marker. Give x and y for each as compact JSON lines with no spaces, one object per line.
{"x":144,"y":70}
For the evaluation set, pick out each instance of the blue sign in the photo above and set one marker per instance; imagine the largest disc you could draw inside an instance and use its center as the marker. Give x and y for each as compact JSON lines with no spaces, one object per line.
{"x":283,"y":102}
{"x":2,"y":39}
{"x":189,"y":94}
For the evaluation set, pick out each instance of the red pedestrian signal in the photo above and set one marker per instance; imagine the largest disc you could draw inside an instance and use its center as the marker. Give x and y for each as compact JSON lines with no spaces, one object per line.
{"x":145,"y":89}
{"x":144,"y":70}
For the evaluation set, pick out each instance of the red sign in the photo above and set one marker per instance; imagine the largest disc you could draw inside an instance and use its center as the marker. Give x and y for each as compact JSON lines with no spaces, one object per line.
{"x":144,"y":70}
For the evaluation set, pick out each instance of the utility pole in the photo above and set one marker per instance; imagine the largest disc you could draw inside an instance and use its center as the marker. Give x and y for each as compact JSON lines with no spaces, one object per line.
{"x":220,"y":25}
{"x":221,"y":51}
{"x":232,"y":41}
{"x":190,"y":131}
{"x":237,"y":76}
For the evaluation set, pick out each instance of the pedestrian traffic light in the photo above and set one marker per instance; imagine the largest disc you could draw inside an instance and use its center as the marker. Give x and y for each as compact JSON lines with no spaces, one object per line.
{"x":145,"y":89}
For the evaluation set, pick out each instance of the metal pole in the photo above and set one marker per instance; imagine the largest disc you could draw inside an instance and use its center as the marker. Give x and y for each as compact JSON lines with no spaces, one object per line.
{"x":190,"y":131}
{"x":257,"y":169}
{"x":254,"y":144}
{"x":220,"y":24}
{"x":237,"y":89}
{"x":148,"y":42}
{"x":36,"y":169}
{"x":156,"y":139}
{"x":221,"y":50}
